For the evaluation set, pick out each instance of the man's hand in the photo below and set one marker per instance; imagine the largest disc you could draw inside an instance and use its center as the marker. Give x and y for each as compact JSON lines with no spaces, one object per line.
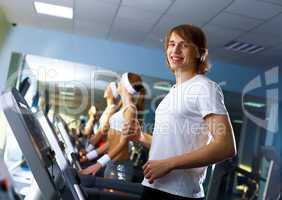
{"x":154,"y":169}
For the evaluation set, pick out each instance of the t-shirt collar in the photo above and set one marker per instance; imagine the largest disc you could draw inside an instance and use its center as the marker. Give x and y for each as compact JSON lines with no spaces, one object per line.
{"x":185,"y":82}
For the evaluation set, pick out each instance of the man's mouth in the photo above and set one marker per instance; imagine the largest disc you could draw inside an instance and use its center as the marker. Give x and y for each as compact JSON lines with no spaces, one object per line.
{"x":176,"y":59}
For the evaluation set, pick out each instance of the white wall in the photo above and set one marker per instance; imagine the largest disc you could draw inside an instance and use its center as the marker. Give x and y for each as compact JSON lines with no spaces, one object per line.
{"x":4,"y":30}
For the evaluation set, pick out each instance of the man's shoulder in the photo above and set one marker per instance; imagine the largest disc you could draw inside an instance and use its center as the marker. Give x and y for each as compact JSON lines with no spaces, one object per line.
{"x":200,"y":82}
{"x":203,"y":79}
{"x":201,"y":85}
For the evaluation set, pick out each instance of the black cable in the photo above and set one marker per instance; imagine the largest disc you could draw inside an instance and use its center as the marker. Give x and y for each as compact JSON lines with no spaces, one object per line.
{"x":51,"y":157}
{"x":52,"y":169}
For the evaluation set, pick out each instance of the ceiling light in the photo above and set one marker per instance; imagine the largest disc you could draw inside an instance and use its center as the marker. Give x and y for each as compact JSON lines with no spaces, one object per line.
{"x":62,"y":97}
{"x":245,"y":167}
{"x":54,"y":10}
{"x":254,"y":104}
{"x":66,"y":93}
{"x":67,"y":98}
{"x":237,"y":121}
{"x":258,"y":49}
{"x":231,"y":45}
{"x":243,"y":47}
{"x":164,"y":86}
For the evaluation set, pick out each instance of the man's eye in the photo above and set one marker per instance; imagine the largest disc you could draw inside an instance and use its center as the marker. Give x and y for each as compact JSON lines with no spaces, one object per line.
{"x":171,"y":44}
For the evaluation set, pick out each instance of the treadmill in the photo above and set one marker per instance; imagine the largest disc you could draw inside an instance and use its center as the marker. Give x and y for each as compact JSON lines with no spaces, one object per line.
{"x":70,"y":148}
{"x":52,"y":170}
{"x":38,"y":154}
{"x":87,"y":181}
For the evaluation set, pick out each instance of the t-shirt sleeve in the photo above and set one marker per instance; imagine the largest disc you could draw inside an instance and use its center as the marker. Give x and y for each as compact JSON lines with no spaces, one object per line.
{"x":210,"y":100}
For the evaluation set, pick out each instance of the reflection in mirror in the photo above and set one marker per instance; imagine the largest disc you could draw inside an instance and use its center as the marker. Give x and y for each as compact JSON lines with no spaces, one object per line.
{"x":66,"y":91}
{"x":71,"y":88}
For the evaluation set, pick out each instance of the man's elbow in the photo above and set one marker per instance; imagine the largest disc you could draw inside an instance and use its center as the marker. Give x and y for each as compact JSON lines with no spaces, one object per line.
{"x":228,"y":149}
{"x":231,"y":145}
{"x":232,"y":151}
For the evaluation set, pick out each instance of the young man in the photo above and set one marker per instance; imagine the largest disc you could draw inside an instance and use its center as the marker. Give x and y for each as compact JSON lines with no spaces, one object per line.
{"x":192,"y":127}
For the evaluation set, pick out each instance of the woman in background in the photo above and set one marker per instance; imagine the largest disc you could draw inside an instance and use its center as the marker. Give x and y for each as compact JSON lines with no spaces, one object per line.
{"x":100,"y":129}
{"x":117,"y":162}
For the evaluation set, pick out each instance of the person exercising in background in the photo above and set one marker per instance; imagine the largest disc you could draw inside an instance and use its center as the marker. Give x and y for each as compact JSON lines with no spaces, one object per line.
{"x":132,"y":94}
{"x":192,"y":127}
{"x":99,"y":138}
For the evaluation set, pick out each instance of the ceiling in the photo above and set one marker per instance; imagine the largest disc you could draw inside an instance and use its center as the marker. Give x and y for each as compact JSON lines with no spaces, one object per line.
{"x":144,"y":23}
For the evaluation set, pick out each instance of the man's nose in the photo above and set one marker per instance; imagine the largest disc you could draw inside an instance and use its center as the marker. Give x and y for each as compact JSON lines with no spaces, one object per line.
{"x":177,"y":48}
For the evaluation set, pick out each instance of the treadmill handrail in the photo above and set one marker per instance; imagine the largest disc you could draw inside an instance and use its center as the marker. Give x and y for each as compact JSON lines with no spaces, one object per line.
{"x":17,"y":123}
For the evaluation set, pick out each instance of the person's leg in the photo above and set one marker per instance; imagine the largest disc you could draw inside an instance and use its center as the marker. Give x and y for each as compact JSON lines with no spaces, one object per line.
{"x":110,"y":170}
{"x":122,"y":170}
{"x":87,"y":181}
{"x":126,"y":168}
{"x":149,"y":193}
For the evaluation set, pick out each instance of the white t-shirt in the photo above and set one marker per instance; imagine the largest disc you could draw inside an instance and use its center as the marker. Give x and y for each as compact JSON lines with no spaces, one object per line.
{"x":180,"y":128}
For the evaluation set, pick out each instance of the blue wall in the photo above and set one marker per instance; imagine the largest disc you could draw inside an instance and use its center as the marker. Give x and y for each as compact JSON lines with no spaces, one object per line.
{"x":108,"y":54}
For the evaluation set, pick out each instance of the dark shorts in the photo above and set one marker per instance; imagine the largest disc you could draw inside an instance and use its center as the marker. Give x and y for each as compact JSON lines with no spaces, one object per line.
{"x":150,"y":193}
{"x":121,"y":170}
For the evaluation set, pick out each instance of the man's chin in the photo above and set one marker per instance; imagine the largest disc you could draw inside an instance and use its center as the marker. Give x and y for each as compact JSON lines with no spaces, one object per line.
{"x":176,"y":67}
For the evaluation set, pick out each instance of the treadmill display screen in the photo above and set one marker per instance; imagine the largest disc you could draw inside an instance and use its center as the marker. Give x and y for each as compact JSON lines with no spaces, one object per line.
{"x":33,"y":144}
{"x":36,"y":132}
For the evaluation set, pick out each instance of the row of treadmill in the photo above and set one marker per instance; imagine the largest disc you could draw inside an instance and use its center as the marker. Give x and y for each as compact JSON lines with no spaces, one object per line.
{"x":53,"y":159}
